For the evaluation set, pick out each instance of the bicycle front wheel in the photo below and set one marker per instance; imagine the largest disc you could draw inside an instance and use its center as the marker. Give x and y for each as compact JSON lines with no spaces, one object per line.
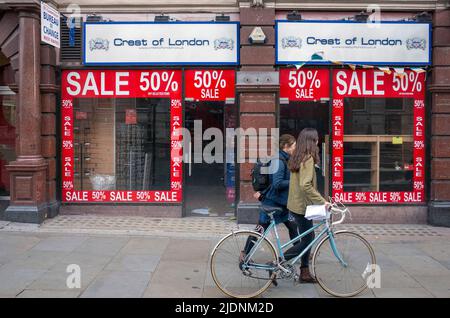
{"x":349,"y":279}
{"x":229,"y":272}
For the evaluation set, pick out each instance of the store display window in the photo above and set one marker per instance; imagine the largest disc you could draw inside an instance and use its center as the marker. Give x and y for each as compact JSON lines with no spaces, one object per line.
{"x":378,"y":129}
{"x":120,"y":137}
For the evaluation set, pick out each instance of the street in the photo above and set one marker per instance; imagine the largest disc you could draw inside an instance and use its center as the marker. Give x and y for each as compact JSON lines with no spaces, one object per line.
{"x":169,"y":258}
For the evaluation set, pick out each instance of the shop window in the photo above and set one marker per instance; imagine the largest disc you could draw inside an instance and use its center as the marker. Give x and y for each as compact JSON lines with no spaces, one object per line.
{"x":7,"y":137}
{"x":121,"y":144}
{"x":378,"y":144}
{"x":378,"y":133}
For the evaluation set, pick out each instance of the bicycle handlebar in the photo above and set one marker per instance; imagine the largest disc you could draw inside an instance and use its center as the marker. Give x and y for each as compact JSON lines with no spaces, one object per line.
{"x":338,"y":208}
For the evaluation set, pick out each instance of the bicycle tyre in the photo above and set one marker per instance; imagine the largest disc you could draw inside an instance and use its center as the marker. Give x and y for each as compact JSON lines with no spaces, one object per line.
{"x":237,"y":239}
{"x":322,"y":247}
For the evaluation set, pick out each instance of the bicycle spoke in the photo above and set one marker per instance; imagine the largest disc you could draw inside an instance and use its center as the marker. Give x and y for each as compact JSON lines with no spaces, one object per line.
{"x":228,"y":273}
{"x":337,"y":279}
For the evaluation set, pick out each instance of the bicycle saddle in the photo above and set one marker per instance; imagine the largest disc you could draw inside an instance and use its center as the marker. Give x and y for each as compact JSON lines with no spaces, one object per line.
{"x":270,"y":209}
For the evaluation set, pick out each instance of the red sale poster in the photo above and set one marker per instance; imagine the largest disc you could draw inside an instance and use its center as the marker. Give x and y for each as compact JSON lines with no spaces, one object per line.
{"x":121,"y":84}
{"x":378,"y":84}
{"x":305,"y":84}
{"x":210,"y":84}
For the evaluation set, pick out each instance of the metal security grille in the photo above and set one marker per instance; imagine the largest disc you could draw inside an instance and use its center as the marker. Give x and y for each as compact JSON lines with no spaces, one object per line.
{"x":70,"y":49}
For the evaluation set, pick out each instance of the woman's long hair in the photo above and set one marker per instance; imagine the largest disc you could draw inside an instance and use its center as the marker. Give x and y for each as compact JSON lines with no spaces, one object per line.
{"x":306,"y":148}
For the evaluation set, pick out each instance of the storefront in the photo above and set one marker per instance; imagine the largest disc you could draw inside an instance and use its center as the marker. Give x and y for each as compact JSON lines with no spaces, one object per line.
{"x":96,"y":122}
{"x":363,"y":89}
{"x":122,"y":141}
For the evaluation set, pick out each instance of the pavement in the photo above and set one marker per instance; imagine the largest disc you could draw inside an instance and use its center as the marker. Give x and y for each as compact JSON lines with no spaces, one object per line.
{"x":146,"y":257}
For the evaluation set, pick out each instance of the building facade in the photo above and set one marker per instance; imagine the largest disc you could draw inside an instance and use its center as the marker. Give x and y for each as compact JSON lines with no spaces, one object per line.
{"x":93,"y":127}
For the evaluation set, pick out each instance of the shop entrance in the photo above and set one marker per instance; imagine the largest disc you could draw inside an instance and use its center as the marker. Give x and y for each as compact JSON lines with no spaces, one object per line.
{"x":296,"y":116}
{"x":209,"y":184}
{"x":305,"y":103}
{"x":209,"y":170}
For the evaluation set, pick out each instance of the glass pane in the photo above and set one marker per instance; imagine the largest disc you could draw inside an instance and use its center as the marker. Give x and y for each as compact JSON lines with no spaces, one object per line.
{"x":378,"y":116}
{"x":360,"y":167}
{"x":396,"y":166}
{"x":7,"y":139}
{"x":122,"y":144}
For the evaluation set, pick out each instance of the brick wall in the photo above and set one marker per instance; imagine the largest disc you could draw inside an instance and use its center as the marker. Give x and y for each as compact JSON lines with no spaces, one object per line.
{"x":257,"y":102}
{"x":439,"y":209}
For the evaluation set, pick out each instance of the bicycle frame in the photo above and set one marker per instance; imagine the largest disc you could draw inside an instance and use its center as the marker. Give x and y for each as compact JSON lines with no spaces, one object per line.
{"x":281,"y":247}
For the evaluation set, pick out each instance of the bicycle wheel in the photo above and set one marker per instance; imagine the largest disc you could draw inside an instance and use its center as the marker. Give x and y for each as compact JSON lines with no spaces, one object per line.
{"x":227,"y":269}
{"x":339,"y":280}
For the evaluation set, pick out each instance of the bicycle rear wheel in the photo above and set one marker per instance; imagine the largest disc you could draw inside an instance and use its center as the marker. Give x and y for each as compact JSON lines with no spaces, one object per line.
{"x":339,"y":280}
{"x":231,"y":276}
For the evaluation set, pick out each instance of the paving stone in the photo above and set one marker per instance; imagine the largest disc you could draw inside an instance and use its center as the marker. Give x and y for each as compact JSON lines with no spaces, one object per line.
{"x":181,"y":274}
{"x":48,"y":294}
{"x":421,"y":265}
{"x":60,"y":243}
{"x":397,"y":249}
{"x":402,"y":293}
{"x":172,"y":291}
{"x":102,"y":245}
{"x":56,"y":279}
{"x":434,"y":282}
{"x":367,"y":293}
{"x":16,"y":280}
{"x":397,"y":279}
{"x":440,"y":293}
{"x":86,"y":259}
{"x":386,"y":262}
{"x":117,"y":284}
{"x":13,"y":243}
{"x":213,"y":292}
{"x":287,"y":289}
{"x":187,"y":250}
{"x":134,"y":262}
{"x":35,"y":260}
{"x":150,"y":246}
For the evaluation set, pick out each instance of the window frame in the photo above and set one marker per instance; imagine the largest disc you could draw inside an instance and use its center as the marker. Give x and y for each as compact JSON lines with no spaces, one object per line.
{"x":417,"y":195}
{"x":135,"y":85}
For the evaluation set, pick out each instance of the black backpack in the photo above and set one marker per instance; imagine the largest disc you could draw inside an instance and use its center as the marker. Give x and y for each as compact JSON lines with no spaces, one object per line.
{"x":261,"y":181}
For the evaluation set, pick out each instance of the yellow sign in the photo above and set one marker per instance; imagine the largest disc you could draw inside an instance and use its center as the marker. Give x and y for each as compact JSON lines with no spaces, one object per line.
{"x":397,"y":140}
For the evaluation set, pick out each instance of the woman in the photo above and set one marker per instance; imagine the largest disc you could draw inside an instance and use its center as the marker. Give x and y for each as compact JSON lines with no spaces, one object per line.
{"x":276,"y":194}
{"x":303,"y":192}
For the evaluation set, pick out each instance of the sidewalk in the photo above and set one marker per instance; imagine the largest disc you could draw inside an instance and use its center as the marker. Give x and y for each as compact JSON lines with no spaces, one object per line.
{"x":144,"y":257}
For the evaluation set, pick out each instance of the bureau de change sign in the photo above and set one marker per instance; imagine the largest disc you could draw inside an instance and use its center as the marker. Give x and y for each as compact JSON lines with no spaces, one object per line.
{"x":50,"y":25}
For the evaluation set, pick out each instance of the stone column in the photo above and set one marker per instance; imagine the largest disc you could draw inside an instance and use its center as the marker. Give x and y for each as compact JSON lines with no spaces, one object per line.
{"x":28,"y":173}
{"x":49,"y":129}
{"x":439,"y":207}
{"x":257,"y":89}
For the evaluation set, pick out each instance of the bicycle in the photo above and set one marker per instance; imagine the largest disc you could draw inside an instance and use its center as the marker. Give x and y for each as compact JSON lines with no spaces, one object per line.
{"x":339,"y":266}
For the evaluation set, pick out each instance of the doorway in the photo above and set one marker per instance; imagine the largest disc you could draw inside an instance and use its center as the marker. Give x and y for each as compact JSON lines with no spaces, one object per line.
{"x":296,"y":116}
{"x":209,"y":186}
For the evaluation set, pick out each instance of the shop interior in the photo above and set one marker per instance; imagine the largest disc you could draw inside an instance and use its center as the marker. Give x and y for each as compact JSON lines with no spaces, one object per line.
{"x":122,"y":144}
{"x":296,"y":116}
{"x":210,"y":187}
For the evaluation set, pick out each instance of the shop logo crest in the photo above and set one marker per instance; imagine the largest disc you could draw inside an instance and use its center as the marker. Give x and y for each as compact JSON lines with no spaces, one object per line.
{"x":99,"y":44}
{"x":416,"y":43}
{"x":223,"y":44}
{"x":291,"y":41}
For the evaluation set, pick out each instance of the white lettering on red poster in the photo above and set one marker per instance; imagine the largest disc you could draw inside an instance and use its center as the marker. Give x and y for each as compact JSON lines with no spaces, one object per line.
{"x":121,"y":84}
{"x":209,"y":85}
{"x":378,"y":84}
{"x":305,"y":84}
